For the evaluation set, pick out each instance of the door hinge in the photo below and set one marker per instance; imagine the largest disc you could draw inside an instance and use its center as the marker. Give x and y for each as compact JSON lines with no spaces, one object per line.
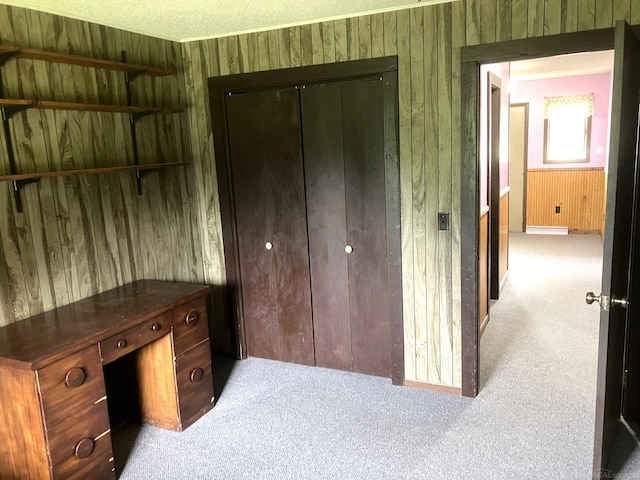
{"x":625,"y":374}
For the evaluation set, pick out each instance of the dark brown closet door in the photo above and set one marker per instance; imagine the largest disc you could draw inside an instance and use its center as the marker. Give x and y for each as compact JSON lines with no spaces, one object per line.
{"x":343,"y":131}
{"x":267,"y":175}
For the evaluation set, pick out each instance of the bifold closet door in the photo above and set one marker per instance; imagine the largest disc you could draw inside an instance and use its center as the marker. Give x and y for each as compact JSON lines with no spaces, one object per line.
{"x":265,"y":153}
{"x":343,"y":137}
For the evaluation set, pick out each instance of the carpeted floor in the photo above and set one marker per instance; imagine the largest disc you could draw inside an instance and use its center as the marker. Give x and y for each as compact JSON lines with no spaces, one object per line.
{"x":533,"y":418}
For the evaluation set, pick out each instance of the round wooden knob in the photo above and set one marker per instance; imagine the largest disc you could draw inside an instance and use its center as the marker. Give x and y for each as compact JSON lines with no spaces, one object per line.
{"x":192,"y":318}
{"x":196,"y":374}
{"x":121,"y":343}
{"x":156,"y":327}
{"x":84,"y":448}
{"x":75,"y":377}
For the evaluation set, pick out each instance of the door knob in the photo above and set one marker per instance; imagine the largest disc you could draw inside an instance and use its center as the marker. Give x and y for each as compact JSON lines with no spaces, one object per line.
{"x":268,"y":245}
{"x":592,"y":297}
{"x":605,"y":301}
{"x":348,"y":249}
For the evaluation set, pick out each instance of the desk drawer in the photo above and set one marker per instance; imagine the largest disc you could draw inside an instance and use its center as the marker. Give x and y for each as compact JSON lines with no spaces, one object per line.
{"x":71,"y":386}
{"x":190,"y":325}
{"x":135,"y":337}
{"x":83,"y":457}
{"x":195,"y":383}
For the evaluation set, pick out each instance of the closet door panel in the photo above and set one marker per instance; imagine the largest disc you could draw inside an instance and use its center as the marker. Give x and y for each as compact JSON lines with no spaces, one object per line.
{"x":285,"y":174}
{"x":326,"y":216}
{"x":363,"y":134}
{"x":254,"y":223}
{"x":266,"y":168}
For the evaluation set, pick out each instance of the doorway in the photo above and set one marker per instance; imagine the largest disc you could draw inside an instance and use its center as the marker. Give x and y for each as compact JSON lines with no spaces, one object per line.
{"x":621,"y":185}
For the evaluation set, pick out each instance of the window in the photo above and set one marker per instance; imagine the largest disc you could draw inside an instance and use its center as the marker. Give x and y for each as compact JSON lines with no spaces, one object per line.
{"x":567,"y":128}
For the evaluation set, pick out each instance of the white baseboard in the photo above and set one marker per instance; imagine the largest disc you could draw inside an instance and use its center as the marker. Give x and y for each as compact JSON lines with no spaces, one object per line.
{"x":548,"y":230}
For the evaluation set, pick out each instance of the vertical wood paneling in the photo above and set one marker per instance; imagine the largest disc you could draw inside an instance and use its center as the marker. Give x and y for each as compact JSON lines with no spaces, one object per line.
{"x":569,"y":13}
{"x":78,"y":236}
{"x":403,"y":28}
{"x":504,"y":236}
{"x":622,"y":10}
{"x":431,"y":174}
{"x":535,"y":18}
{"x":604,"y":13}
{"x":444,"y":115}
{"x":519,"y":19}
{"x":488,"y":20}
{"x":552,"y":17}
{"x":579,"y":193}
{"x":586,"y":14}
{"x":457,"y":41}
{"x":472,"y":21}
{"x":424,"y":348}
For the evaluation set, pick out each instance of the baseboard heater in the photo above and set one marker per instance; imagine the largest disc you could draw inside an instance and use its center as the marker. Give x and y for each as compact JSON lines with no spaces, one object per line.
{"x":548,"y":230}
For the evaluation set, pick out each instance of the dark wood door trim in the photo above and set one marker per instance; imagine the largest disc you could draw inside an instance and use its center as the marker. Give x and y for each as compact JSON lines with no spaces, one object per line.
{"x":494,"y":106}
{"x":471,"y":59}
{"x":387,"y":69}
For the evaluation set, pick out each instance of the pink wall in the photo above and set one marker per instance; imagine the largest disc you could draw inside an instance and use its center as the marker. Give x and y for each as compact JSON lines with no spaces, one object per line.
{"x":502,"y":71}
{"x":533,"y":92}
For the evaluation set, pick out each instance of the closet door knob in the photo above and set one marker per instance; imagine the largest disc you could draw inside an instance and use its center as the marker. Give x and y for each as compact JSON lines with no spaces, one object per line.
{"x":268,"y":245}
{"x":348,"y":249}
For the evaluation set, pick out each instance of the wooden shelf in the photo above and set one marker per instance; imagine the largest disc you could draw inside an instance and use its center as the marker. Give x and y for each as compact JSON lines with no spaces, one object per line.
{"x":84,"y":107}
{"x":56,"y":57}
{"x":88,"y":171}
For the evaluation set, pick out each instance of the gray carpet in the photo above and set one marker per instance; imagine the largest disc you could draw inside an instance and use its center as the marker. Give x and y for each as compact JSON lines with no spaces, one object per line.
{"x":532,"y":419}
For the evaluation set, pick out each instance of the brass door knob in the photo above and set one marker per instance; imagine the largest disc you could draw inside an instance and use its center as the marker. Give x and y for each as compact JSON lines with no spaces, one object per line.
{"x":605,"y":301}
{"x":592,"y":297}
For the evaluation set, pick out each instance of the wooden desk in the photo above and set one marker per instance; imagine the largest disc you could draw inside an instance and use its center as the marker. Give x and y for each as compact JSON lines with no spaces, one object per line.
{"x":54,"y":420}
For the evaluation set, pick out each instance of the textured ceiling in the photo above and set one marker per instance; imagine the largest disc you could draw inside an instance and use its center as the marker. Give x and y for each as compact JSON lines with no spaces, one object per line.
{"x":184,"y":20}
{"x":562,"y":66}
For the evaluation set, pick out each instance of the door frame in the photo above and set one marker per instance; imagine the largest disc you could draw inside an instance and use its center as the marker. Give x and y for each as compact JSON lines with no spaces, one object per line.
{"x":385,"y":68}
{"x":471,"y":58}
{"x":494,"y":113}
{"x":525,"y":168}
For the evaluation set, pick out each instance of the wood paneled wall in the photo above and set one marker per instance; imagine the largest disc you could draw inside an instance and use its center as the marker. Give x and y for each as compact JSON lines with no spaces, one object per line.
{"x":580,"y":194}
{"x":78,"y":236}
{"x":427,"y":41}
{"x":504,"y":235}
{"x":483,"y":269}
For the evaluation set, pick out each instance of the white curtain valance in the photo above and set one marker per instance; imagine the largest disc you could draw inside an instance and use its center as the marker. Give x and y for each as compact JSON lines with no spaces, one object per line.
{"x":578,"y":105}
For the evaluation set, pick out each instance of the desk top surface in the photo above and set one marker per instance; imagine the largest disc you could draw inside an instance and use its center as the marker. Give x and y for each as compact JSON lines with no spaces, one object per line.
{"x":42,"y":339}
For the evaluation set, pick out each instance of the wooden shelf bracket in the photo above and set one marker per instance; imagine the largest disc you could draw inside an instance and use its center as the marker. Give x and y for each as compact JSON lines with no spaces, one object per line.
{"x":9,"y":107}
{"x":7,"y":113}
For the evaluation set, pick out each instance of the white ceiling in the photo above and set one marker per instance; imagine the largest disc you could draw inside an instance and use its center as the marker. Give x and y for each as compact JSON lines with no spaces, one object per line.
{"x":562,"y":66}
{"x":185,"y":20}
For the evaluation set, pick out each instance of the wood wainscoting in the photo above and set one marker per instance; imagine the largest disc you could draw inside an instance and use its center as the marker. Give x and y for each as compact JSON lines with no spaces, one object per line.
{"x":483,"y":270}
{"x":579,"y":194}
{"x":503,"y":262}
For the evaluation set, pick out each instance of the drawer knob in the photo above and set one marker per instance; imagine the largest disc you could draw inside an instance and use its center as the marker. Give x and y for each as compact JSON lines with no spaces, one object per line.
{"x":121,"y":344}
{"x":75,"y":377}
{"x":192,"y":318}
{"x":84,"y":448}
{"x":196,"y":374}
{"x":156,"y":327}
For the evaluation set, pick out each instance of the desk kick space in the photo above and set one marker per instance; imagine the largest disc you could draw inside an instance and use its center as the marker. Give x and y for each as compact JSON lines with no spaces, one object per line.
{"x":54,"y":419}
